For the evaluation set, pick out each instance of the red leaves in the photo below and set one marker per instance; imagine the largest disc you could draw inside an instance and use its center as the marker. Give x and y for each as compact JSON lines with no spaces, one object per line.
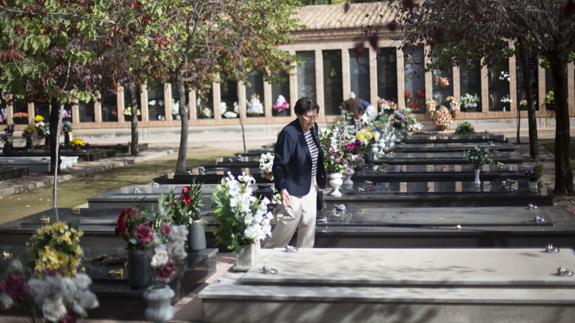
{"x":163,"y":42}
{"x":373,"y":40}
{"x":145,"y":19}
{"x":358,"y":49}
{"x":346,"y":6}
{"x":19,"y":30}
{"x":408,"y":4}
{"x":10,"y":55}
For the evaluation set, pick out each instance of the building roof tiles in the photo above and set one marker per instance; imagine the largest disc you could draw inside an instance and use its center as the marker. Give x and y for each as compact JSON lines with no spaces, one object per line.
{"x":359,"y":15}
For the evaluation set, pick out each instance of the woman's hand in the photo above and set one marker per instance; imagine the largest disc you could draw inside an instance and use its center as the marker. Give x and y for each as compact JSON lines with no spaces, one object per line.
{"x":285,"y":198}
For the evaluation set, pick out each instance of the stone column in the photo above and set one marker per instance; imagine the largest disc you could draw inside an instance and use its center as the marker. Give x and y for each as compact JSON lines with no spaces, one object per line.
{"x":400,"y":79}
{"x":428,"y":76}
{"x":542,"y":88}
{"x":193,"y":109}
{"x":216,"y":100}
{"x":9,"y":109}
{"x":98,"y":108}
{"x":513,"y":84}
{"x":456,"y":83}
{"x":373,"y":76}
{"x":484,"y":90}
{"x":120,"y":103}
{"x":319,"y":93}
{"x":241,"y":88}
{"x":75,"y":112}
{"x":293,"y":86}
{"x":268,"y":100}
{"x":144,"y":102}
{"x":345,"y":80}
{"x":168,"y":102}
{"x":31,"y":112}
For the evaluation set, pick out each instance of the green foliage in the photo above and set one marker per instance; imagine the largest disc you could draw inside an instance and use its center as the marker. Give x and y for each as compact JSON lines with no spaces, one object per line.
{"x":464,"y":128}
{"x":534,"y":174}
{"x":477,"y":156}
{"x":550,"y":98}
{"x":183,"y":208}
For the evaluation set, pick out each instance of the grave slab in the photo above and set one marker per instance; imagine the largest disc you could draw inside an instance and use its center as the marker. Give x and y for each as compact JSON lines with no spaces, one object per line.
{"x":397,"y":285}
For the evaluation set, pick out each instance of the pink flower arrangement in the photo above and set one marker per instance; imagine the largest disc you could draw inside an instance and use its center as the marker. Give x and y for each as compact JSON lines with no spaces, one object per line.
{"x":281,"y":104}
{"x":136,"y":227}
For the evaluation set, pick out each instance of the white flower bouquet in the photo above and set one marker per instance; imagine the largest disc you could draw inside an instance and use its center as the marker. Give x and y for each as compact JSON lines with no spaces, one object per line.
{"x":266,"y":164}
{"x":244,"y":219}
{"x":169,"y":250}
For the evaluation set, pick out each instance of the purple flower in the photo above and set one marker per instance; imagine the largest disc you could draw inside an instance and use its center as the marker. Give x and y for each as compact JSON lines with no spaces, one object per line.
{"x":144,"y":233}
{"x":166,"y":271}
{"x":15,"y":287}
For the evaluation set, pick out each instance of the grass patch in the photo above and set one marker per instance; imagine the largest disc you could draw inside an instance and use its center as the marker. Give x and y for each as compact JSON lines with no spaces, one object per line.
{"x":77,"y":191}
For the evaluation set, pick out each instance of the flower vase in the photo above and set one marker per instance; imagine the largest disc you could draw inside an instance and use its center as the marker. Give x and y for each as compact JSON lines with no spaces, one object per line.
{"x":347,"y":181}
{"x":8,"y":148}
{"x":139,"y":268}
{"x":29,"y":144}
{"x":335,"y":182}
{"x":67,"y":139}
{"x":477,"y":181}
{"x":159,"y":300}
{"x":430,"y":109}
{"x":533,"y":186}
{"x":196,"y":236}
{"x":247,"y":256}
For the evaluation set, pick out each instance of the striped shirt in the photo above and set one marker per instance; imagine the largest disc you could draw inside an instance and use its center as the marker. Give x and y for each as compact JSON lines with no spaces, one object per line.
{"x":313,"y":150}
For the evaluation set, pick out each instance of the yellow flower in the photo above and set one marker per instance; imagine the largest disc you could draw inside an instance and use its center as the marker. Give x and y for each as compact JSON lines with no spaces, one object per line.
{"x":38,"y":118}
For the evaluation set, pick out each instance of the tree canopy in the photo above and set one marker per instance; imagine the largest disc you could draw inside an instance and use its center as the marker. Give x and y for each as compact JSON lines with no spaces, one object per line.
{"x":458,"y":31}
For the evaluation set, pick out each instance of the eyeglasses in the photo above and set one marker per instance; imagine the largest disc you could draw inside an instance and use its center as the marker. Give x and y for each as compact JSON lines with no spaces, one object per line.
{"x":309,"y":117}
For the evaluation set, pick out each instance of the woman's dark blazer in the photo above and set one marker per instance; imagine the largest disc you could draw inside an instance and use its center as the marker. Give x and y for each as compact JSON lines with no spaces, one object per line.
{"x":292,"y":161}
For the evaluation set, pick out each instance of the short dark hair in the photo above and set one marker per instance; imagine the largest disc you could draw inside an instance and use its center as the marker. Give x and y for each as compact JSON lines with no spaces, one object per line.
{"x":304,"y":105}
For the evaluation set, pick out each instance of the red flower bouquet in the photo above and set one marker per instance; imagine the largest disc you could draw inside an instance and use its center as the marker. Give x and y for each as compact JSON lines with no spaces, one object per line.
{"x":183,"y":208}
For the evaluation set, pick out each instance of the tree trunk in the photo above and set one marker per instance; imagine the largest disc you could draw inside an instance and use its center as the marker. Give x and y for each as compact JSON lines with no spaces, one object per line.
{"x":563,"y":173}
{"x":54,"y":122}
{"x":183,"y":112}
{"x":134,"y":150}
{"x":524,"y":55}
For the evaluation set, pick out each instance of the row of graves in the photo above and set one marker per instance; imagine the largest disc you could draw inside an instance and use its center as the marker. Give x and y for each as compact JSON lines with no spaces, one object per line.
{"x":415,"y":227}
{"x":33,"y":156}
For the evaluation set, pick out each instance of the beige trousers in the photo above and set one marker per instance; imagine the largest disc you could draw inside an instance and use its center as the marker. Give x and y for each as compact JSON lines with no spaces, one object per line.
{"x":300,"y":215}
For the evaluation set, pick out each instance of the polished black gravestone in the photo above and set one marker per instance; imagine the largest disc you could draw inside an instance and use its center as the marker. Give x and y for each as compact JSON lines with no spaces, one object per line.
{"x":450,"y":147}
{"x":434,"y":137}
{"x":82,"y":154}
{"x":437,"y":172}
{"x":9,"y":172}
{"x":138,"y":195}
{"x":446,"y":158}
{"x":210,"y":175}
{"x":105,"y":253}
{"x":505,"y":192}
{"x":445,"y":227}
